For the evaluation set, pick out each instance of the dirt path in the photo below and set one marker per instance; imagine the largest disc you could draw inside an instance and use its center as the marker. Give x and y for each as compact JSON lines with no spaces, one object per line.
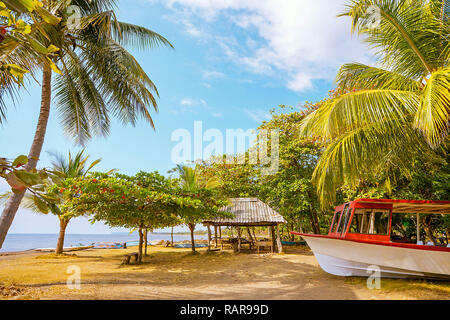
{"x":176,"y":274}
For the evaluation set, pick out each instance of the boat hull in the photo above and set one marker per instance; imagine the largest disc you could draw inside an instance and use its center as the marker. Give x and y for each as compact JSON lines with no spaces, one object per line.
{"x":356,"y":259}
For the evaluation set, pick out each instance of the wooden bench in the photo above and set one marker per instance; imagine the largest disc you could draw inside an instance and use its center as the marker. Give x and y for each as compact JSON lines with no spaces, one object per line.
{"x":127,"y":258}
{"x":262,"y":244}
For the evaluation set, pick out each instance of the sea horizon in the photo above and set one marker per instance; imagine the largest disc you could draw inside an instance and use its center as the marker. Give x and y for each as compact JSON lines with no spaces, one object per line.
{"x":16,"y":242}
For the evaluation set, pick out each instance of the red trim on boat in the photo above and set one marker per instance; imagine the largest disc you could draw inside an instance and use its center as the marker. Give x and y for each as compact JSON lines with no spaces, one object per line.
{"x":403,"y":201}
{"x":379,"y":243}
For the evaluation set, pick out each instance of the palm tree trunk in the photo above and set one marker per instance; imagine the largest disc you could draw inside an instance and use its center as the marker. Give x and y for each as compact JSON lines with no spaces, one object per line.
{"x":171,"y":237}
{"x":12,"y":205}
{"x":192,"y":228}
{"x":62,"y":233}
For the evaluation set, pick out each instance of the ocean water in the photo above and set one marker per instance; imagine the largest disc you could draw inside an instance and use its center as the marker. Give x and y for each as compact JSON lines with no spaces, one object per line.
{"x":22,"y":242}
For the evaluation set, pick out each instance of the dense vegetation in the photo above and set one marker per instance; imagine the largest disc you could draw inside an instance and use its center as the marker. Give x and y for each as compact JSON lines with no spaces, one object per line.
{"x":382,"y":133}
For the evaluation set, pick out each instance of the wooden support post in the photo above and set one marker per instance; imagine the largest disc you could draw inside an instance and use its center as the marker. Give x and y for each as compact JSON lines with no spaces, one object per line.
{"x":215,"y":236}
{"x":272,"y":231}
{"x":279,"y":245}
{"x":209,"y":237}
{"x":239,"y":238}
{"x":220,"y":235}
{"x":418,"y":228}
{"x":252,"y":242}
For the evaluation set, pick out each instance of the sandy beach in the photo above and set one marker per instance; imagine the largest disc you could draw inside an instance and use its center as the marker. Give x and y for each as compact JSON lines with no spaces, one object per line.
{"x":168,"y":273}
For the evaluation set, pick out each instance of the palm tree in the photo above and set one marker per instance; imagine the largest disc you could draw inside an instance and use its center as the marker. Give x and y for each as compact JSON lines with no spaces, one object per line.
{"x":62,"y":169}
{"x":388,"y":114}
{"x":192,"y":183}
{"x":98,"y":78}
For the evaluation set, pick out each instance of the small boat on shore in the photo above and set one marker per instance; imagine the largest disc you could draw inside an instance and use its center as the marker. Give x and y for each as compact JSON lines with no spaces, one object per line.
{"x":293,"y":243}
{"x":65,"y":249}
{"x":360,"y":238}
{"x":188,"y":245}
{"x":110,"y":245}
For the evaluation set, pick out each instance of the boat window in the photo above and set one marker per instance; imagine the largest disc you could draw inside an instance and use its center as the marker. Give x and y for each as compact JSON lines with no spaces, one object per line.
{"x":338,"y":220}
{"x":370,"y":222}
{"x":335,"y":220}
{"x":344,"y":220}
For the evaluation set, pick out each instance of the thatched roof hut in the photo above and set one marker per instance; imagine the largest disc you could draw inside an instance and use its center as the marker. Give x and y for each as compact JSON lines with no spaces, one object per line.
{"x":248,"y":212}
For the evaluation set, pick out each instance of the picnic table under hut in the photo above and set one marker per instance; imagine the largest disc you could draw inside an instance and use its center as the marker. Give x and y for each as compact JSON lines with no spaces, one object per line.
{"x":248,"y":213}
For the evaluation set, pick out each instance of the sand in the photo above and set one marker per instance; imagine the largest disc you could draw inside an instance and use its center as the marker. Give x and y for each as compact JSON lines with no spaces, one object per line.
{"x":169,"y":273}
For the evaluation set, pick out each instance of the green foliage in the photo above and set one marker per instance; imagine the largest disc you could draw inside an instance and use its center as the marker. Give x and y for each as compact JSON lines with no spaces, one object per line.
{"x":199,"y":188}
{"x":18,"y":178}
{"x":384,"y":117}
{"x":22,"y":23}
{"x":290,"y":190}
{"x":96,"y":76}
{"x":234,"y":180}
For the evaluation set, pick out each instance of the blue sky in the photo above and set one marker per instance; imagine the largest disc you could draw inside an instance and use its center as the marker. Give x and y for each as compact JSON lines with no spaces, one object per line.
{"x":233,"y":61}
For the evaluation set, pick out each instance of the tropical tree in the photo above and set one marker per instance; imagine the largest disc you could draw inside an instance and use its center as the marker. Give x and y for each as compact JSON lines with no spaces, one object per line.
{"x":202,"y":189}
{"x":96,"y":77}
{"x":235,"y":180}
{"x":385,"y":115}
{"x":123,"y":201}
{"x":53,"y":199}
{"x":290,"y":190}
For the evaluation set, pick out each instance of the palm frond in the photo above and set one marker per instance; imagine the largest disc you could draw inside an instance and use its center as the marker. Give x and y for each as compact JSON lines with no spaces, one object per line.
{"x":122,"y":81}
{"x":406,"y":39}
{"x":136,"y":36}
{"x":356,"y":109}
{"x":370,"y":148}
{"x":432,"y":117}
{"x":357,"y":75}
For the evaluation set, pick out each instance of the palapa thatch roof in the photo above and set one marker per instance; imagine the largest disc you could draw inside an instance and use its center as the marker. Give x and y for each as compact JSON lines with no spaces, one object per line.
{"x":248,"y":212}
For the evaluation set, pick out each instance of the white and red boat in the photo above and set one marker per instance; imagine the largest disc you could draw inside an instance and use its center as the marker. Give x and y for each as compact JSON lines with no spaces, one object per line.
{"x":360,"y":240}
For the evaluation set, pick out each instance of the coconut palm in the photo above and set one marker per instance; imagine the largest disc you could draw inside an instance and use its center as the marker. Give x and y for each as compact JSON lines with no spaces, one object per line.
{"x":98,"y":78}
{"x":193,"y":183}
{"x":62,"y":168}
{"x":385,"y":115}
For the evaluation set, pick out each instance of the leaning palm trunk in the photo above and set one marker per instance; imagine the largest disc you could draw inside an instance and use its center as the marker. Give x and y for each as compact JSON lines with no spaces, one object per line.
{"x":62,"y":234}
{"x":12,"y":205}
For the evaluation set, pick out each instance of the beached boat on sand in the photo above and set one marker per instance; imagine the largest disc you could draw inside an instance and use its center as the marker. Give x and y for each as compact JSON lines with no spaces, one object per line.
{"x":65,"y":249}
{"x":361,"y":236}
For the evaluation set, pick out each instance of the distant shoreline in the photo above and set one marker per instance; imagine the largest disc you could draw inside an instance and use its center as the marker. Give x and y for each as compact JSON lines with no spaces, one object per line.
{"x":22,"y":242}
{"x":113,"y":233}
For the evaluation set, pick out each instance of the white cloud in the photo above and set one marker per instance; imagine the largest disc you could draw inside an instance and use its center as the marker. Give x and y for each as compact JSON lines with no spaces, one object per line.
{"x":212,"y":74}
{"x":301,"y":41}
{"x":187,"y":102}
{"x":197,"y":105}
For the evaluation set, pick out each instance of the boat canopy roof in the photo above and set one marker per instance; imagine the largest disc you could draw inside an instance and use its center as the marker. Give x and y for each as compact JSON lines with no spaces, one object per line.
{"x":412,"y":206}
